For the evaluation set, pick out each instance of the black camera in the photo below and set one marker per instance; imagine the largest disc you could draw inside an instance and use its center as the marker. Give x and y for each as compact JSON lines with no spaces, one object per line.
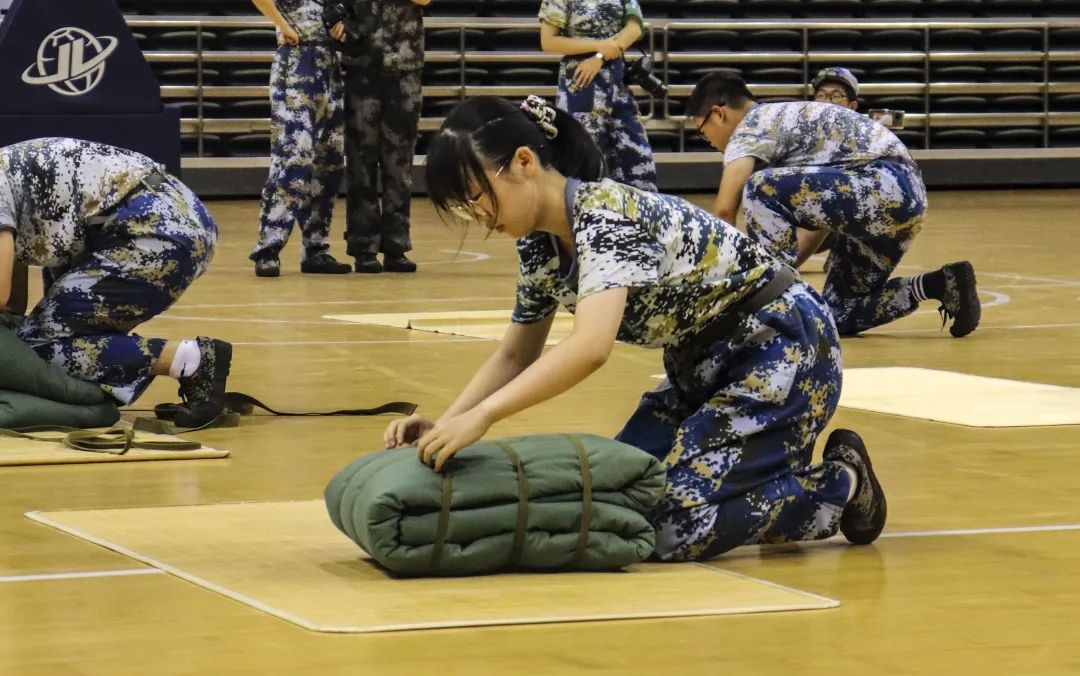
{"x":334,"y":13}
{"x":640,"y":73}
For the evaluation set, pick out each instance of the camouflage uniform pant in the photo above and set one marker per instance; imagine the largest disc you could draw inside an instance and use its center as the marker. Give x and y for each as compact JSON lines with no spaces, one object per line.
{"x":735,"y":423}
{"x":608,"y":111}
{"x":134,"y":268}
{"x":383,"y":113}
{"x":876,"y":209}
{"x":307,"y":115}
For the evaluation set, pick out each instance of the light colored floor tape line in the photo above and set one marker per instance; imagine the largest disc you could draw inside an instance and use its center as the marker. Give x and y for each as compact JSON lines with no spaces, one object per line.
{"x":485,"y":324}
{"x":983,"y":531}
{"x":959,"y":398}
{"x":81,"y":575}
{"x":329,"y":564}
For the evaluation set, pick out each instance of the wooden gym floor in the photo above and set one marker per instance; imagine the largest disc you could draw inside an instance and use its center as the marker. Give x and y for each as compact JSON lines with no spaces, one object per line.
{"x":921,"y":600}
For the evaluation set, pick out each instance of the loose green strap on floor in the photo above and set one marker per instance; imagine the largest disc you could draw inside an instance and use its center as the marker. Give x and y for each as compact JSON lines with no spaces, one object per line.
{"x":523,"y":504}
{"x":115,"y":441}
{"x":586,"y":498}
{"x":444,"y":521}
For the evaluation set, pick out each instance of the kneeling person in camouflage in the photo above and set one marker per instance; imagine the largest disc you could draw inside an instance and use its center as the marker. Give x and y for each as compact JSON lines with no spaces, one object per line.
{"x":826,"y":168}
{"x":120,"y":241}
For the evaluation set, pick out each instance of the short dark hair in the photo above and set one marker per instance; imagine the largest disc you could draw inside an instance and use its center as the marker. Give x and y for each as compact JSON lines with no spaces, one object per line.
{"x":718,"y":88}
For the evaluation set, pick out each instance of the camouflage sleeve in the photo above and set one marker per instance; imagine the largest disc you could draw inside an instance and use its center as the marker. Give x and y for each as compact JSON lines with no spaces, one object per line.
{"x":615,"y":252}
{"x":532,"y":303}
{"x":555,"y":12}
{"x":632,"y":12}
{"x":8,"y":221}
{"x":755,"y":136}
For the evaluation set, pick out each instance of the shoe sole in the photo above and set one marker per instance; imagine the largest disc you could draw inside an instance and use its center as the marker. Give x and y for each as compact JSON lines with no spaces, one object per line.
{"x":341,"y":271}
{"x":969,"y":301}
{"x":274,"y":273}
{"x":853,"y":441}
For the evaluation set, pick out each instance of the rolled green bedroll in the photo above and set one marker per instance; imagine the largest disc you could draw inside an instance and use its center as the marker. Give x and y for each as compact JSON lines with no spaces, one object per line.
{"x":33,"y":392}
{"x":540,"y":501}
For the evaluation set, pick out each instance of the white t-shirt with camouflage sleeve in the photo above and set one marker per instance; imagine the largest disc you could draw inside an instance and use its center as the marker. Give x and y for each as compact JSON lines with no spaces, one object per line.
{"x":812,"y":134}
{"x":592,"y":19}
{"x":683,"y":266}
{"x":49,"y":187}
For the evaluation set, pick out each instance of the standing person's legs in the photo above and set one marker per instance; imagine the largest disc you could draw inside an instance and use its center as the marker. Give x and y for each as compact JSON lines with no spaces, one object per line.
{"x":402,"y":98}
{"x":736,"y":428}
{"x":329,"y":164}
{"x":292,"y":121}
{"x":136,"y":267}
{"x":589,"y":105}
{"x":632,"y":154}
{"x":363,"y":214}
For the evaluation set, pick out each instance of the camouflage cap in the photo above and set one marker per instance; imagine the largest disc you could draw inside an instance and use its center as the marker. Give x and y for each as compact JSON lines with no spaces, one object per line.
{"x":836,"y":74}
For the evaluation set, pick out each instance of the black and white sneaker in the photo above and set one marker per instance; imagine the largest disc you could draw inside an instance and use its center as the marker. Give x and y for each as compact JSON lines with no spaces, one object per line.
{"x":864,"y":515}
{"x":960,"y":301}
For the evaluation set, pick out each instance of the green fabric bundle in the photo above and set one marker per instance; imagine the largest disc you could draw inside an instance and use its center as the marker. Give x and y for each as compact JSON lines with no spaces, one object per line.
{"x":33,"y":392}
{"x":541,"y":501}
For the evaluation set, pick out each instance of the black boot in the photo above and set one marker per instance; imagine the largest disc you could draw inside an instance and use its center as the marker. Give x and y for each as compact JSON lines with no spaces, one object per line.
{"x":268,"y":267}
{"x":368,"y":264}
{"x":324,"y":264}
{"x":960,"y":301}
{"x":398,"y":263}
{"x":203,"y":392}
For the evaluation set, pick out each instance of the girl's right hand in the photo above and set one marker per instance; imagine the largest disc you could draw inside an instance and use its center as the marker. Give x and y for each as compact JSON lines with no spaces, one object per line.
{"x":337,"y":31}
{"x":405,"y":431}
{"x":289,"y":36}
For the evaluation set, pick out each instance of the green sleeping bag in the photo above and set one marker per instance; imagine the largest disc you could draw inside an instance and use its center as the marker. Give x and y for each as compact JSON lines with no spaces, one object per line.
{"x":33,"y":392}
{"x":541,"y":501}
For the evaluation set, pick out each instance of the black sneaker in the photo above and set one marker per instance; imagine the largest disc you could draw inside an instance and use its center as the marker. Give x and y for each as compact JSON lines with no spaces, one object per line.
{"x":368,"y":264}
{"x":961,"y":299}
{"x":398,"y":263}
{"x":268,"y":267}
{"x":864,"y":515}
{"x":203,"y":392}
{"x":324,"y":264}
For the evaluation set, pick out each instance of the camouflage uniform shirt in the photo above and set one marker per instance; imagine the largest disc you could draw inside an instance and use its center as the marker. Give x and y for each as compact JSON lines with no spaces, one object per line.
{"x":49,"y":187}
{"x":393,"y":31}
{"x":812,"y":134}
{"x":593,"y":19}
{"x":306,"y":18}
{"x":683,"y":266}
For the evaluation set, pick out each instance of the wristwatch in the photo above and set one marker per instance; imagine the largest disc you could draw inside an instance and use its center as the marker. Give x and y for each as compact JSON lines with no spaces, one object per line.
{"x":600,"y":55}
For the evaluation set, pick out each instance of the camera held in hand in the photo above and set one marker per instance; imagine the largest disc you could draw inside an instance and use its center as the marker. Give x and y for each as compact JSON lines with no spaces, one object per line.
{"x":640,"y":73}
{"x":334,"y":12}
{"x":891,"y":119}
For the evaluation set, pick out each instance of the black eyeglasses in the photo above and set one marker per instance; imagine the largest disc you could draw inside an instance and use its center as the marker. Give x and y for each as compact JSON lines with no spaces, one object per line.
{"x":833,"y":96}
{"x":701,"y":127}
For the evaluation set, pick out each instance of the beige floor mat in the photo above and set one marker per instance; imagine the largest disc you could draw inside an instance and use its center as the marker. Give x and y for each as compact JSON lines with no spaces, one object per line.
{"x":287,"y":559}
{"x":959,"y":398}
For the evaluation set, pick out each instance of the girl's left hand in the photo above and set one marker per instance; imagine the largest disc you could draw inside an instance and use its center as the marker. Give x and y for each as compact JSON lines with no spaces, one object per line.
{"x":450,"y":436}
{"x":586,"y":72}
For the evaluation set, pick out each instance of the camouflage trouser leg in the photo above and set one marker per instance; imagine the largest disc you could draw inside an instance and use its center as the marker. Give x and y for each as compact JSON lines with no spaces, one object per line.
{"x":306,"y":161}
{"x":877,"y":210}
{"x":134,"y":269}
{"x":735,"y":424}
{"x":608,"y":111}
{"x":382,"y":119}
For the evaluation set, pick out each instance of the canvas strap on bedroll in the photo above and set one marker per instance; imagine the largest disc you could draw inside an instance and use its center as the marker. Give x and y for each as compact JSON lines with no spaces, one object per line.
{"x":238,"y":404}
{"x":442,"y":526}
